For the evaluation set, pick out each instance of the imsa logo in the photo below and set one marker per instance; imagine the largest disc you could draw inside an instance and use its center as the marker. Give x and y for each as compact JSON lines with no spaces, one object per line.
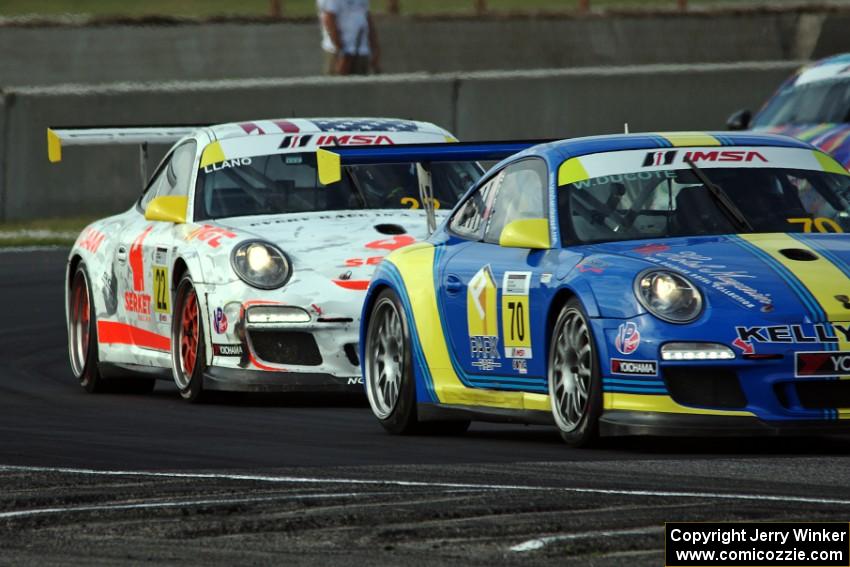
{"x":654,"y":159}
{"x":634,"y":367}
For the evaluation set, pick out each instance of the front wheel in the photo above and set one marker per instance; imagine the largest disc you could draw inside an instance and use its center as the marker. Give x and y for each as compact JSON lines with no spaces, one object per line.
{"x":188,"y":348}
{"x":575,"y":388}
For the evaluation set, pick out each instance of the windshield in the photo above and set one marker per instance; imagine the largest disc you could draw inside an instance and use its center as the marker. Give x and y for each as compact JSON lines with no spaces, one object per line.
{"x":814,"y":103}
{"x":654,"y":204}
{"x":288,"y":183}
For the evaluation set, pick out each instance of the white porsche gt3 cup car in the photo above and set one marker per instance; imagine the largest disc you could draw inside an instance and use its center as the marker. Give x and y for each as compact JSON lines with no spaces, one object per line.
{"x":237,"y":269}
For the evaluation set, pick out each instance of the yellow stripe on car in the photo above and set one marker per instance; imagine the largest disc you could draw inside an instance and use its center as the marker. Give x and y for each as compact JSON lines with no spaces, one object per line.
{"x":660,"y":404}
{"x":423,"y":303}
{"x":821,"y":277}
{"x":686,"y":139}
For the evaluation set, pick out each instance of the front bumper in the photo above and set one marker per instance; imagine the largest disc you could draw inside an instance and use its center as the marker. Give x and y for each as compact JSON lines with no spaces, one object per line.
{"x":239,"y":380}
{"x":618,"y":422}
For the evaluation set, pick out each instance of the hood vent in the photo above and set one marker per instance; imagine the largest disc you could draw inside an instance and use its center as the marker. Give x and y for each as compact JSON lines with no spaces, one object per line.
{"x":390,"y":229}
{"x":798,"y":254}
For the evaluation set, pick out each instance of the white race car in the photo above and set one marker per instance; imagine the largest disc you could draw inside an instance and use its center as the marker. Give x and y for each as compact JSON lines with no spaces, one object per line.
{"x":237,"y":269}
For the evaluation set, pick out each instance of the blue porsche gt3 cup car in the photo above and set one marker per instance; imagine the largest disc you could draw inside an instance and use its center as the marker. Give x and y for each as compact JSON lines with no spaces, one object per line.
{"x":680,"y":283}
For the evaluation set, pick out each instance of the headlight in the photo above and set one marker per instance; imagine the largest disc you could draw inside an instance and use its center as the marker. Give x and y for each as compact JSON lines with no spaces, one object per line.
{"x":260,"y":264}
{"x":669,"y":296}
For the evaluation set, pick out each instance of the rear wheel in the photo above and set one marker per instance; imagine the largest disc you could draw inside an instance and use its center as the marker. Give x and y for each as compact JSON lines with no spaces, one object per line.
{"x":82,"y":333}
{"x":575,"y":388}
{"x":83,"y":344}
{"x":188,"y":348}
{"x":390,"y":382}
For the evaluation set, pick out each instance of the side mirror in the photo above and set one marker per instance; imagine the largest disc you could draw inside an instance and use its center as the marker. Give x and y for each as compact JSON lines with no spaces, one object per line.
{"x":739,"y":120}
{"x":526,"y":233}
{"x":168,"y":208}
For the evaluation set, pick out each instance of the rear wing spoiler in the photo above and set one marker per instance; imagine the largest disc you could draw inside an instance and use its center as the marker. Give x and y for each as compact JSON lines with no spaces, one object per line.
{"x":57,"y":138}
{"x":330,"y":161}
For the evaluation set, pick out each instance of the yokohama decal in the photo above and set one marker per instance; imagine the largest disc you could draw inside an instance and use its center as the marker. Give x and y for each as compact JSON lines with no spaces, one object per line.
{"x":114,"y":333}
{"x":808,"y":364}
{"x":634,"y":367}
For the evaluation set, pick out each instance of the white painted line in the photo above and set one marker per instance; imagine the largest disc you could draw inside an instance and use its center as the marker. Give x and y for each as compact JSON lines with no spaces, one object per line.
{"x":539,"y":543}
{"x":172,"y":504}
{"x":23,"y":249}
{"x":413,"y":483}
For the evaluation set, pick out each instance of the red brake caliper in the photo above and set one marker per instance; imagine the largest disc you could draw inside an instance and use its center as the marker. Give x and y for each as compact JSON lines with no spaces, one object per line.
{"x":189,"y":338}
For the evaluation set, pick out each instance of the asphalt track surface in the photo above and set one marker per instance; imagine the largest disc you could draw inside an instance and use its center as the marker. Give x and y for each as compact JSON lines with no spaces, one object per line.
{"x":125,"y":479}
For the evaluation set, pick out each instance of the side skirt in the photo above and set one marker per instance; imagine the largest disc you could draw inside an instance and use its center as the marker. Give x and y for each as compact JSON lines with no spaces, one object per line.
{"x":114,"y":370}
{"x":441,"y":412}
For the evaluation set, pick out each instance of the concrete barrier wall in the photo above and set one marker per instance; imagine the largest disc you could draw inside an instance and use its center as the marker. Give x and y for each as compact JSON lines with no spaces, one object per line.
{"x":475,"y":106}
{"x":209,"y":51}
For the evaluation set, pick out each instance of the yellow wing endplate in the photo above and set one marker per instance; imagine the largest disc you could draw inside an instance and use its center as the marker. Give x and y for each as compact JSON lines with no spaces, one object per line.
{"x":330,"y":166}
{"x":54,"y":146}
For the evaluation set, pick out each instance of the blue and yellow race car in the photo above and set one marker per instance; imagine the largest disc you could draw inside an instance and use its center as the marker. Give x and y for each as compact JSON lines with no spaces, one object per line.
{"x":675,"y":284}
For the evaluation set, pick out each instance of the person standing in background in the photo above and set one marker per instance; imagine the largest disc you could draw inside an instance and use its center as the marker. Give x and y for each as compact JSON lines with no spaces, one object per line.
{"x":349,"y":37}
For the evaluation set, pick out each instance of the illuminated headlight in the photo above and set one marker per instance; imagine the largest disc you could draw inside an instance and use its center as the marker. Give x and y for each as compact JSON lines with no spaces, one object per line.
{"x":260,"y":264}
{"x":696,"y":351}
{"x":669,"y":296}
{"x":277,"y":314}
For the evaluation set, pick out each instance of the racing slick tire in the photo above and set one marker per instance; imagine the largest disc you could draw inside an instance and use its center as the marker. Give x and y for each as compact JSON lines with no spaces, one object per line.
{"x":188,"y":347}
{"x":82,"y":333}
{"x":390,"y":382}
{"x":575,"y":385}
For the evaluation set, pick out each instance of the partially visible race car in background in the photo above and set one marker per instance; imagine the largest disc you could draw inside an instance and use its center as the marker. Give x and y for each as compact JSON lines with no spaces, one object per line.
{"x":237,"y":269}
{"x":812,"y":105}
{"x":676,"y":284}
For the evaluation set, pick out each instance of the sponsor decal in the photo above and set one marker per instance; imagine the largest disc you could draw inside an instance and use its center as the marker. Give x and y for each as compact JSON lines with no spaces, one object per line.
{"x":137,"y":261}
{"x":355,"y":380}
{"x":394,"y":243}
{"x":624,"y":178}
{"x":516,"y":325}
{"x":354,"y":140}
{"x":227,"y":350}
{"x":791,"y":334}
{"x":294,"y":141}
{"x":520,"y":365}
{"x":220,"y":321}
{"x":370,"y":261}
{"x":634,"y":367}
{"x":747,"y":156}
{"x":161,"y":291}
{"x":808,"y":364}
{"x":160,"y":256}
{"x":746,"y":348}
{"x":592,"y":265}
{"x":647,"y":249}
{"x":703,"y":269}
{"x":91,"y":240}
{"x":139,"y":303}
{"x":628,"y":338}
{"x":545,"y":278}
{"x":316,"y":309}
{"x":843,"y":300}
{"x":654,"y":159}
{"x":226,"y":164}
{"x":481,"y":304}
{"x":484,"y":351}
{"x":212,"y":235}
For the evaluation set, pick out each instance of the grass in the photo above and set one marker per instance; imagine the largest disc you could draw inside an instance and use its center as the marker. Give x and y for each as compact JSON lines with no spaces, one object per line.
{"x":42,"y":232}
{"x":304,"y":8}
